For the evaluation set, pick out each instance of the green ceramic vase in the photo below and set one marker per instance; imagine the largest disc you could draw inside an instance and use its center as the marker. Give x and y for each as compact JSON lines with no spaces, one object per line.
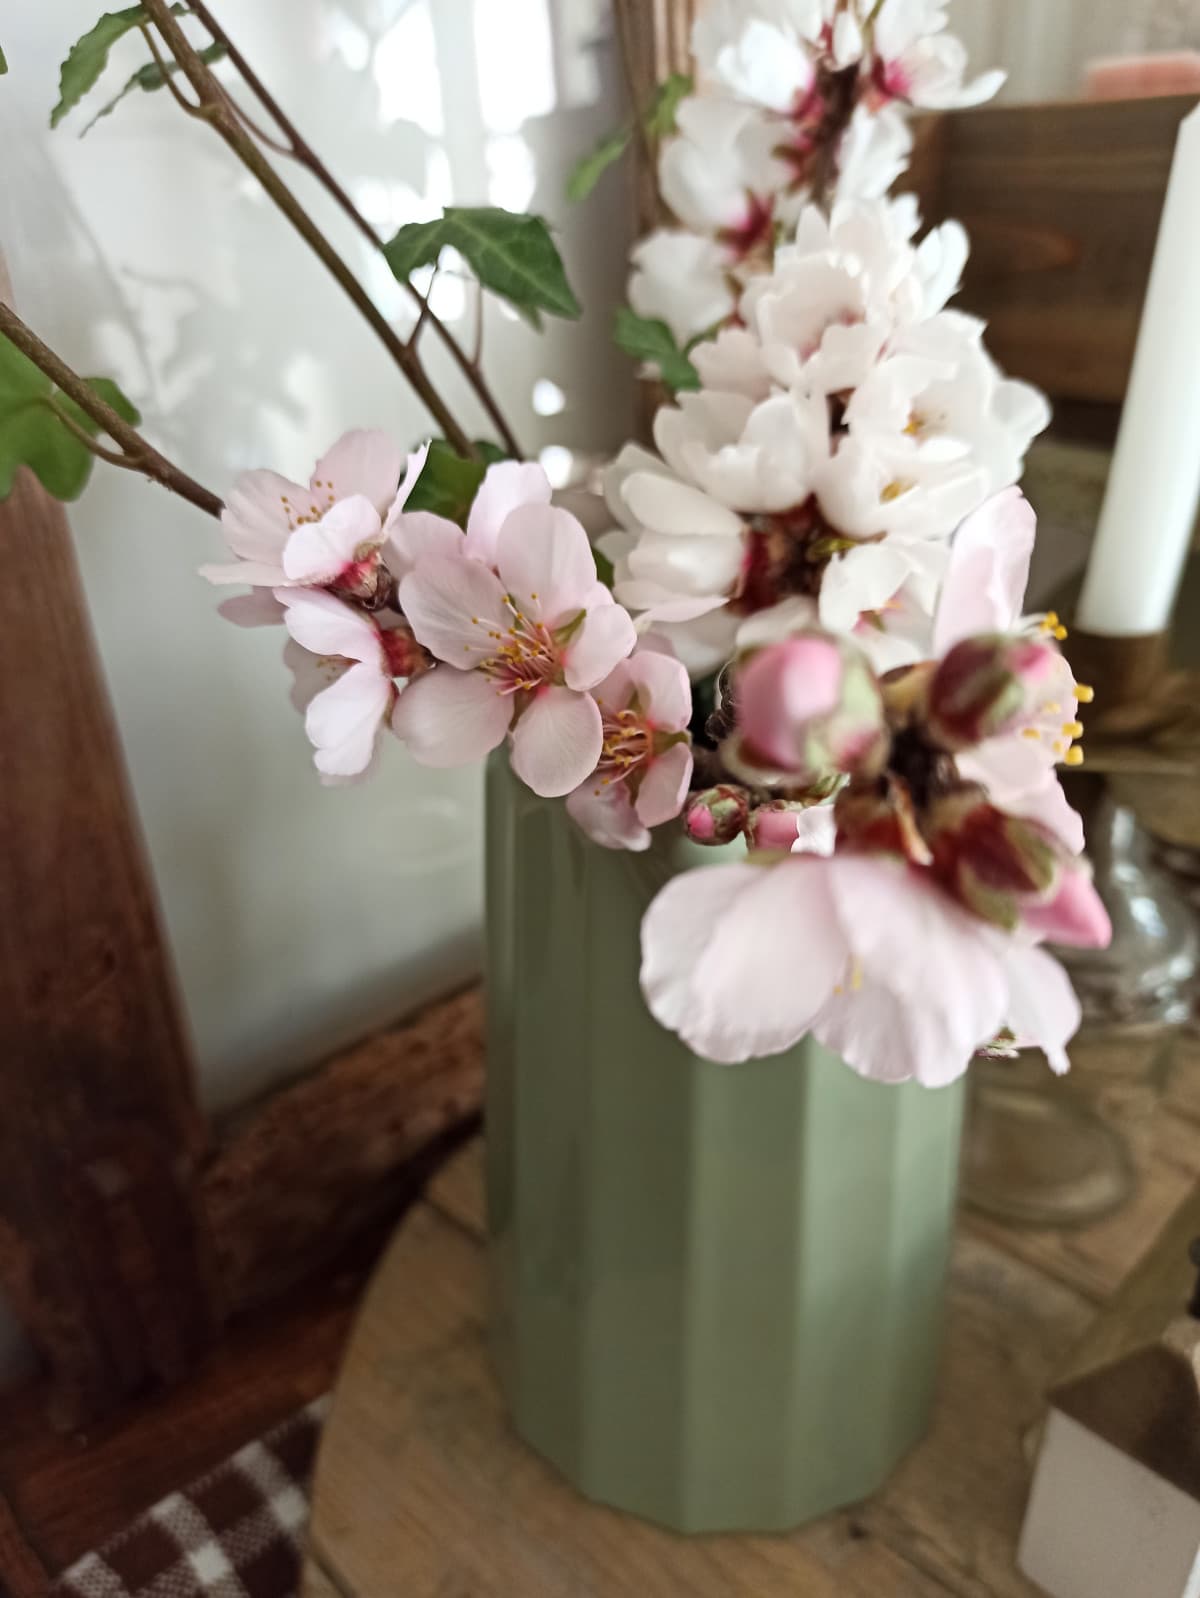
{"x":717,"y":1291}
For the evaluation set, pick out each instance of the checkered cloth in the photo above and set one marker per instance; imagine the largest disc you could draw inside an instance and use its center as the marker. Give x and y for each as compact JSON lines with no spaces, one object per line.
{"x":235,"y":1533}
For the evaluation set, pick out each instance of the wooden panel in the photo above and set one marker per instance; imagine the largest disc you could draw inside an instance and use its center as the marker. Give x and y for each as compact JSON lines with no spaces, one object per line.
{"x":101,"y":1244}
{"x":421,"y":1487}
{"x":1062,"y":204}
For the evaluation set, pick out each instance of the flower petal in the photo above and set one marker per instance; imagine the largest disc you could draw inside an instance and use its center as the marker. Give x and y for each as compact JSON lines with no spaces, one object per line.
{"x":1043,"y":1011}
{"x":364,"y":461}
{"x":989,"y":568}
{"x":662,"y":686}
{"x":605,"y":637}
{"x":545,"y":562}
{"x":326,"y":626}
{"x":1075,"y":916}
{"x":451,"y":718}
{"x":258,"y":512}
{"x":665,"y":786}
{"x":556,"y":741}
{"x":419,"y":533}
{"x":677,"y":929}
{"x":505,"y":486}
{"x":607,"y":815}
{"x":259,"y":573}
{"x":343,"y":722}
{"x":669,"y":506}
{"x":456,"y":608}
{"x":318,"y":551}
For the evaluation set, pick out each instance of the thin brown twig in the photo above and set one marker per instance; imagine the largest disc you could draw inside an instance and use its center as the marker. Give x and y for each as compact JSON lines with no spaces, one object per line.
{"x":168,"y":77}
{"x":114,"y":457}
{"x":137,"y":454}
{"x":298,"y":148}
{"x":477,"y":354}
{"x":213,"y":106}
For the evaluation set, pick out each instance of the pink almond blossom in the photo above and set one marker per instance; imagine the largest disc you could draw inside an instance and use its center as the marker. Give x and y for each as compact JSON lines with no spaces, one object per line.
{"x":346,"y":668}
{"x":329,"y":534}
{"x":645,"y":768}
{"x":521,"y":646}
{"x":864,"y":952}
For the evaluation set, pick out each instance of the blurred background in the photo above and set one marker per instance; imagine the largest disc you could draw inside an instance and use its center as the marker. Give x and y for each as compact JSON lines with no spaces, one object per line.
{"x":301,"y":917}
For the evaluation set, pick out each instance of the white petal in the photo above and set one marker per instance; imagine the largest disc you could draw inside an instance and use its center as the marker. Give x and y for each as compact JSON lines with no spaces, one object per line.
{"x":1043,"y":1011}
{"x":505,"y":486}
{"x":686,"y":565}
{"x":665,"y":786}
{"x":862,"y":579}
{"x":681,"y":279}
{"x":318,"y":551}
{"x":364,"y":461}
{"x":451,"y":718}
{"x":546,"y":563}
{"x":456,"y":608}
{"x":989,"y":568}
{"x":606,"y":636}
{"x":556,"y":741}
{"x":771,"y":963}
{"x":326,"y":626}
{"x":418,"y":533}
{"x":255,"y":519}
{"x":343,"y":722}
{"x":607,"y":815}
{"x":677,"y":929}
{"x":669,"y":506}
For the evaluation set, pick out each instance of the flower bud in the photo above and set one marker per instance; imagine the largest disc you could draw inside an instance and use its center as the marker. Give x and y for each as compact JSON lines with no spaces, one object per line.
{"x":809,"y":707}
{"x":995,"y":864}
{"x":717,"y":815}
{"x":985,"y":686}
{"x":404,"y":655}
{"x":784,"y":823}
{"x":1075,"y":914}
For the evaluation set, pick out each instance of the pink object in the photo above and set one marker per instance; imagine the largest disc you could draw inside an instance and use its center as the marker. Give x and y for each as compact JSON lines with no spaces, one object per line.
{"x":1142,"y":77}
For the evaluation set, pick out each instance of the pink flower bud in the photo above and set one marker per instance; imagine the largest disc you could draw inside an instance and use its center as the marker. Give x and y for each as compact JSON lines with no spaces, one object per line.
{"x":1075,"y":915}
{"x":985,"y":686}
{"x":717,"y":815}
{"x":810,"y":706}
{"x":994,"y":863}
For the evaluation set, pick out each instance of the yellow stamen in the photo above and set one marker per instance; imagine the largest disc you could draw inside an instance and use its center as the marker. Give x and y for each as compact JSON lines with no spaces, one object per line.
{"x":1030,"y":732}
{"x":1073,"y":756}
{"x":1084,"y":694}
{"x":1072,"y":729}
{"x":1061,"y":633}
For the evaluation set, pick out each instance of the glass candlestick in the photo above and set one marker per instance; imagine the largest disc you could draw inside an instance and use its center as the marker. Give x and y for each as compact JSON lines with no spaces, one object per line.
{"x":1056,"y":1151}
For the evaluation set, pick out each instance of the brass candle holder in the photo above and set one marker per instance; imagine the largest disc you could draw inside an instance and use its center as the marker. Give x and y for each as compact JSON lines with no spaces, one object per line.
{"x":1057,"y":1151}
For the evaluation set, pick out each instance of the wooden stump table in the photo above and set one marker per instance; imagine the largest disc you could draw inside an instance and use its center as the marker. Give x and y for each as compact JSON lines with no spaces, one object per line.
{"x":423,"y":1491}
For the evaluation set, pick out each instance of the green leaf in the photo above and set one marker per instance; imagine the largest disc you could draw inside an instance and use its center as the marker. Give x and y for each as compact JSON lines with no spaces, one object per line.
{"x":3,"y":64}
{"x":647,"y":339}
{"x":604,"y":567}
{"x":596,"y":163}
{"x":658,"y":119}
{"x":88,"y":56}
{"x":32,"y":432}
{"x":448,"y":484}
{"x":150,"y":77}
{"x":512,"y":255}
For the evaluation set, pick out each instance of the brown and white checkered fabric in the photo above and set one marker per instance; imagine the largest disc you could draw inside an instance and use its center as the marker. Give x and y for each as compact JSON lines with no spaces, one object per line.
{"x":235,"y":1533}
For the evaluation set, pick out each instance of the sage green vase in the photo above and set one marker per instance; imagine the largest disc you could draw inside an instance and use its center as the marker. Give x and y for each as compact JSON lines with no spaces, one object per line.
{"x":717,"y":1291}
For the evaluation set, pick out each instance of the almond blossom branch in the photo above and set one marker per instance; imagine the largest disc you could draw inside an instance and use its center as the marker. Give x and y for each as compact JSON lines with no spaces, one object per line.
{"x":137,"y":455}
{"x":297,"y":148}
{"x":213,"y":106}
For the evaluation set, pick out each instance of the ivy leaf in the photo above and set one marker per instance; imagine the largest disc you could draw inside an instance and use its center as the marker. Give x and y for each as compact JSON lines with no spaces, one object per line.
{"x":512,"y":255}
{"x":647,"y":339}
{"x":32,"y":432}
{"x":658,"y":119}
{"x":88,"y":56}
{"x":448,"y":484}
{"x":150,"y":77}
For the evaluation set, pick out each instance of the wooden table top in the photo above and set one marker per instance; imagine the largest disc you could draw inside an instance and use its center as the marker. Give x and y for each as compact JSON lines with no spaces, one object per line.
{"x":422,"y":1491}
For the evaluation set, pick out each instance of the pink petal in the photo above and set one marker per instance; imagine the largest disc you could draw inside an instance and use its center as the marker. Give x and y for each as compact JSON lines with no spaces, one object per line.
{"x":417,"y":534}
{"x":326,"y":626}
{"x":606,"y":637}
{"x":607,"y":816}
{"x":1075,"y":916}
{"x":344,"y":721}
{"x":665,"y":786}
{"x":677,"y":929}
{"x":663,"y":688}
{"x":989,"y":568}
{"x":364,"y":461}
{"x":771,"y":963}
{"x":451,"y":718}
{"x":506,"y":486}
{"x":1043,"y":1011}
{"x":318,"y":551}
{"x":545,"y":562}
{"x":456,"y":609}
{"x":556,"y":741}
{"x":260,"y":574}
{"x":259,"y":608}
{"x":781,"y":691}
{"x":256,"y":518}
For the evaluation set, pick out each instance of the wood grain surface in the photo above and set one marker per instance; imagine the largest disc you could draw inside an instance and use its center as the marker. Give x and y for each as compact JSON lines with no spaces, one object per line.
{"x":422,"y":1489}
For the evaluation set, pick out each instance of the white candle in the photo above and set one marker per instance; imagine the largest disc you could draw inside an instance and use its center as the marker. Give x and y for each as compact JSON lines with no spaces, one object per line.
{"x":1150,"y":504}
